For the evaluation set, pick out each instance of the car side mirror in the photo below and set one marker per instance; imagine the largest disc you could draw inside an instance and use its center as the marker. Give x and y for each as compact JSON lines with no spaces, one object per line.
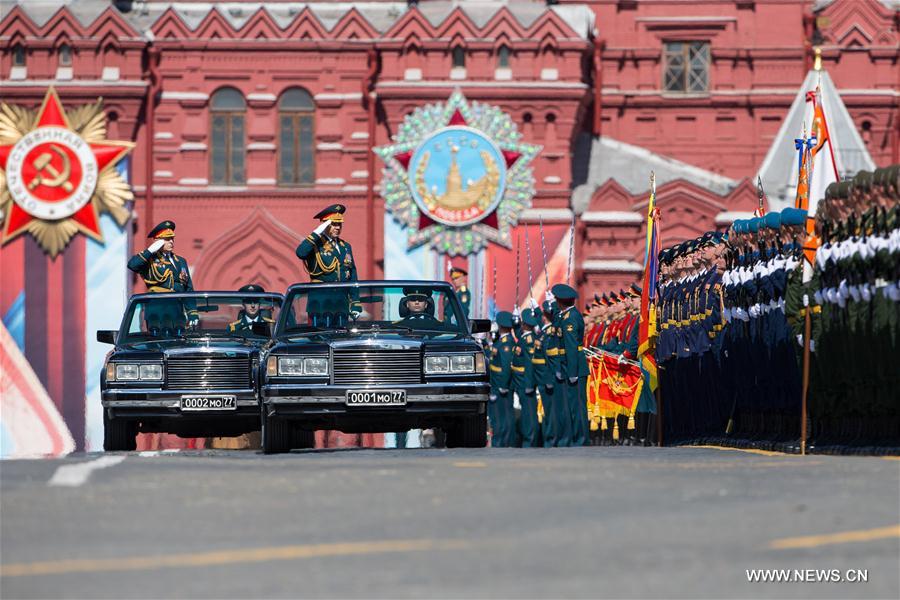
{"x":481,"y":325}
{"x":106,"y":336}
{"x":261,"y":329}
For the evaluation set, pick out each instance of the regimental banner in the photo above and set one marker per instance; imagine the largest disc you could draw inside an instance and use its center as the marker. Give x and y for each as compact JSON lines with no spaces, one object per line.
{"x":457,"y":176}
{"x":57,"y":173}
{"x":614,"y":386}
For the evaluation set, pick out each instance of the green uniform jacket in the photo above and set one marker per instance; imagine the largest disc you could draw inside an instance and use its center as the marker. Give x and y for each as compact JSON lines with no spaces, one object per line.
{"x":574,"y":362}
{"x":162,"y":273}
{"x":327,"y":260}
{"x":501,"y":363}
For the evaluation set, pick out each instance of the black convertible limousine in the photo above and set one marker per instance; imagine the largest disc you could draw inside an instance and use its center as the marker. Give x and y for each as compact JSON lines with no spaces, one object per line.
{"x":186,"y":363}
{"x":373,"y":356}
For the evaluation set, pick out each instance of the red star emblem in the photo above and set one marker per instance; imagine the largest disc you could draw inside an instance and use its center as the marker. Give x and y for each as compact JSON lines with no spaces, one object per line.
{"x":54,"y":176}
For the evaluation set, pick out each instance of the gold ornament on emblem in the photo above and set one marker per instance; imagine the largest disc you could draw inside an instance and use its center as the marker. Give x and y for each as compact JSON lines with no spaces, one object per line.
{"x":53,"y":168}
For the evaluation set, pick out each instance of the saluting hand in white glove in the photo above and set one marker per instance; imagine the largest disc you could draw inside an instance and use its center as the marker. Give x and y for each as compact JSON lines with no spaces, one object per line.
{"x":322,"y":227}
{"x":156,"y":246}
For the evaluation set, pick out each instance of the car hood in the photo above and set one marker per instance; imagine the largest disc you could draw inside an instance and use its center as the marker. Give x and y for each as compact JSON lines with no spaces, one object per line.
{"x":368,"y":341}
{"x":194,"y":345}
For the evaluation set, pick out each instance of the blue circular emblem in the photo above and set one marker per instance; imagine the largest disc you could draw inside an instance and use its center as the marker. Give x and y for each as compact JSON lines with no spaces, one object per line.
{"x":457,"y":176}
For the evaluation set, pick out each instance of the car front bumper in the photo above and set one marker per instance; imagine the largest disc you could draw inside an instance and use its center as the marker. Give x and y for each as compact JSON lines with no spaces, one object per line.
{"x":324,"y":406}
{"x":139,"y":403}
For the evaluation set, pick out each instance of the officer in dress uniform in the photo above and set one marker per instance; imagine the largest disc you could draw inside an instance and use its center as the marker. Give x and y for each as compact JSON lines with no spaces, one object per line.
{"x":524,"y":383}
{"x":545,"y":372}
{"x":458,"y":278}
{"x":417,"y":309}
{"x":329,"y":259}
{"x":161,"y":269}
{"x":250,"y":314}
{"x":573,"y":363}
{"x":164,"y":271}
{"x":502,"y":353}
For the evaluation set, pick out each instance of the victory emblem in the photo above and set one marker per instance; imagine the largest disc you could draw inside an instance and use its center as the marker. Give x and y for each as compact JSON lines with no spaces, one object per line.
{"x":458,"y":176}
{"x":57,"y":173}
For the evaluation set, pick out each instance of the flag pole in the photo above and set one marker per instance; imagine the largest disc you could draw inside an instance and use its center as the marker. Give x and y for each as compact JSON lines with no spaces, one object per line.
{"x":807,"y":327}
{"x":570,"y":265}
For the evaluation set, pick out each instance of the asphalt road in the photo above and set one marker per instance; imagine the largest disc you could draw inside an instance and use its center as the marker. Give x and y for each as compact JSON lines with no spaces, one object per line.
{"x":588,"y":522}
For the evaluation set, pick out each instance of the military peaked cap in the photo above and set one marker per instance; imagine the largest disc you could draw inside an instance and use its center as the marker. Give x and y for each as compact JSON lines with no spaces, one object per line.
{"x":564,"y":292}
{"x":504,"y":319}
{"x":334,"y":213}
{"x":454,"y":271}
{"x":165,"y":230}
{"x":793,"y":216}
{"x":411,"y":292}
{"x":252,"y":287}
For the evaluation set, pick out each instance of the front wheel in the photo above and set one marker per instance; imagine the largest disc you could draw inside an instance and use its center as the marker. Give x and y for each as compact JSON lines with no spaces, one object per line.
{"x":468,"y":432}
{"x":119,"y":434}
{"x":276,"y":434}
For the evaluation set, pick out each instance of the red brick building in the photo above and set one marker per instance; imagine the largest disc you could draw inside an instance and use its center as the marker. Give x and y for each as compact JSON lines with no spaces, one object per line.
{"x":250,"y":116}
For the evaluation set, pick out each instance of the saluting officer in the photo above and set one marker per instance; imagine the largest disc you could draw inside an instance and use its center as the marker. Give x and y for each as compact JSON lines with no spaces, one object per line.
{"x":573,"y":363}
{"x":329,"y":259}
{"x":325,"y":255}
{"x":161,"y":269}
{"x":250,"y":313}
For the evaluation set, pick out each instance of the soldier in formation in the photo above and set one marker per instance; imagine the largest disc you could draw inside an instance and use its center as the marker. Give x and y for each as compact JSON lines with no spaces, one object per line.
{"x":852,"y":303}
{"x":758,"y":354}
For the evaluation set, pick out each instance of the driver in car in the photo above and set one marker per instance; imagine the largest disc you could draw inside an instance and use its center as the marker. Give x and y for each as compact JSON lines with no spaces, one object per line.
{"x":417,"y":309}
{"x":250,"y":313}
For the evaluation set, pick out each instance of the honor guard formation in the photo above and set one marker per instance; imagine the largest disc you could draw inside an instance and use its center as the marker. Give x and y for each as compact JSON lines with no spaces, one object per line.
{"x":713,"y":351}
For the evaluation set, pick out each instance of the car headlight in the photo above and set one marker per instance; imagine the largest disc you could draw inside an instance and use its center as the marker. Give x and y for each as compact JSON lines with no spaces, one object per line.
{"x":437,"y":364}
{"x":462,"y":363}
{"x":128,"y":372}
{"x":299,"y":366}
{"x":479,"y":362}
{"x":317,"y":366}
{"x":453,"y":363}
{"x":151,"y":372}
{"x":134,"y":372}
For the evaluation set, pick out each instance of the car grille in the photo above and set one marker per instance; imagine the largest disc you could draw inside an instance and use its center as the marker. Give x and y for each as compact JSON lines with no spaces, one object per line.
{"x":377,"y":367}
{"x":208,"y":372}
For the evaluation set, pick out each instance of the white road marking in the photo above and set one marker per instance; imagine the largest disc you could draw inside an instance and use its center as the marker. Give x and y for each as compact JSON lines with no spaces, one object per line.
{"x":148,"y":453}
{"x":77,"y":474}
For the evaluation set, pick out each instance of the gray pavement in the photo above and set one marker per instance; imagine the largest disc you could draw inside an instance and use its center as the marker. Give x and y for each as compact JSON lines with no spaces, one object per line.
{"x":587,"y":522}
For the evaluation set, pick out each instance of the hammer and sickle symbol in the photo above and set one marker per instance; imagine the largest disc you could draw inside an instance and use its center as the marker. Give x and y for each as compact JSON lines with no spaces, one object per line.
{"x":42,"y":165}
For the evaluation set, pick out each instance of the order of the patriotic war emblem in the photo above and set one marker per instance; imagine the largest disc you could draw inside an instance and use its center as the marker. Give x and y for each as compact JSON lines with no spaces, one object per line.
{"x":57,"y":173}
{"x":457,"y":176}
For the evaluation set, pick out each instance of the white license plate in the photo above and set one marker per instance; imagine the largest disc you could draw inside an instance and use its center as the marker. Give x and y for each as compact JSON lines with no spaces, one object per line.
{"x":200,"y":403}
{"x":376,"y":397}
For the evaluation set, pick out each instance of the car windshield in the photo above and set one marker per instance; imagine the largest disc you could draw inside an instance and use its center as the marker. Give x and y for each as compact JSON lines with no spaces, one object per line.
{"x":424,"y":309}
{"x":165,"y":317}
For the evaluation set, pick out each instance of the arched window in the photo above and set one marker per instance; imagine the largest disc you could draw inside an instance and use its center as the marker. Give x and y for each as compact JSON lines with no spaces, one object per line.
{"x":18,"y":55}
{"x":65,"y":56}
{"x":459,"y":57}
{"x":227,"y":157}
{"x":503,"y":57}
{"x":296,"y":138}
